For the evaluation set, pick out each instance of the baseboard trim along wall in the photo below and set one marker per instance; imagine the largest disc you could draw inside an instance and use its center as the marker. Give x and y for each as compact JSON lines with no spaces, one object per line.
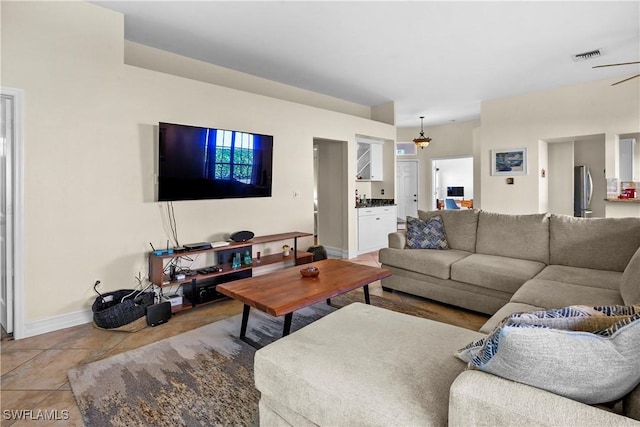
{"x":62,"y":321}
{"x":56,"y":323}
{"x":336,"y":252}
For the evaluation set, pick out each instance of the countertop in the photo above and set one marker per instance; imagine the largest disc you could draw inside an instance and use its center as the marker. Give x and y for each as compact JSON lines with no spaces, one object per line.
{"x":373,"y":205}
{"x":636,"y":200}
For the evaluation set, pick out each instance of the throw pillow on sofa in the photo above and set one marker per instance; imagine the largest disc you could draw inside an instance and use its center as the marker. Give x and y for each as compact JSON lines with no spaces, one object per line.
{"x":575,"y":318}
{"x":591,"y":367}
{"x":428,"y":234}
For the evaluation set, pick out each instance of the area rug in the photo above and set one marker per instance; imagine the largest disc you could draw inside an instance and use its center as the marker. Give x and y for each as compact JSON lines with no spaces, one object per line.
{"x":200,"y":377}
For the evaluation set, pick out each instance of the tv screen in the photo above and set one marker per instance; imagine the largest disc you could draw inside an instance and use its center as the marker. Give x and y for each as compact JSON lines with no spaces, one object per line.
{"x":455,"y":191}
{"x":206,"y":163}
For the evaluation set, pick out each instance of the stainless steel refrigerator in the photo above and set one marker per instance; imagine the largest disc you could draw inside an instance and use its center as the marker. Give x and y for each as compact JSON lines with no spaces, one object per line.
{"x":582,"y":191}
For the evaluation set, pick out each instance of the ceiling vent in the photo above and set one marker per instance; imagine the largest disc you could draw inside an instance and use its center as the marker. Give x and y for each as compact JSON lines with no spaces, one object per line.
{"x":587,"y":55}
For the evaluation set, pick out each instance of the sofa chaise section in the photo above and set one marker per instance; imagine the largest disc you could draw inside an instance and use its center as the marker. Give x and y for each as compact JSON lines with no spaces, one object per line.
{"x":361,"y":366}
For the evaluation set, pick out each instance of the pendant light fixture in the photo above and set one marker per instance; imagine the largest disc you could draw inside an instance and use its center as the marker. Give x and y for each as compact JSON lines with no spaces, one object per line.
{"x":422,"y":141}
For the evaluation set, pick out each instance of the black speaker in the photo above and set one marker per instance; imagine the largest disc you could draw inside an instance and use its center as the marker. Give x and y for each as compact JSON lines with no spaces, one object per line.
{"x":158,"y":314}
{"x":242,"y":236}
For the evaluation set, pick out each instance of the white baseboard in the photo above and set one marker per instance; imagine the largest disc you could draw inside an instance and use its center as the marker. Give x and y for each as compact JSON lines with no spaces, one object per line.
{"x":62,"y":321}
{"x":336,"y":252}
{"x":56,"y":323}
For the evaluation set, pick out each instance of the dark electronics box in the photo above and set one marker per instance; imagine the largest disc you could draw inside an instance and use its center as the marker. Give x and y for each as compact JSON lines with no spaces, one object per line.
{"x":158,"y":314}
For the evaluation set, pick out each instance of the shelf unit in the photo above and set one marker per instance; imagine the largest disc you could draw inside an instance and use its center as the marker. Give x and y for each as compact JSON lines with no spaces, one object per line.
{"x":157,"y":264}
{"x":369,"y":162}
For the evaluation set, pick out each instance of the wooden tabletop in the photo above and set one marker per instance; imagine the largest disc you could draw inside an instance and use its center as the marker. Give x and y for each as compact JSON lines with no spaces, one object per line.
{"x":286,"y":291}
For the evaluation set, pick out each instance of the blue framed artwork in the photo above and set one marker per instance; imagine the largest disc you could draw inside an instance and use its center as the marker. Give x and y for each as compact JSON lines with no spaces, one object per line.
{"x":509,"y":161}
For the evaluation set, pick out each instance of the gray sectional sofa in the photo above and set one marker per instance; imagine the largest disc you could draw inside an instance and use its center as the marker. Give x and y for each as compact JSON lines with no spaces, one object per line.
{"x":367,"y":366}
{"x":500,"y":264}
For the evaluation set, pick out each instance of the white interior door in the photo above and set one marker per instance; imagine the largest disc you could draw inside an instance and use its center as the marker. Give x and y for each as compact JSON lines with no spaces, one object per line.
{"x":6,"y":214}
{"x":407,"y":183}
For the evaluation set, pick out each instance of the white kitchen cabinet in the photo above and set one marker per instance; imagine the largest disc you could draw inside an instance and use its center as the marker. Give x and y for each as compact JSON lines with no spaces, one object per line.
{"x":369,"y":165}
{"x":374,"y":226}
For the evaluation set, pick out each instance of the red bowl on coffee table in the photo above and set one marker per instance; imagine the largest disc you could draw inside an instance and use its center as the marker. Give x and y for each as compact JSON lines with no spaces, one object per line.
{"x":310,"y":272}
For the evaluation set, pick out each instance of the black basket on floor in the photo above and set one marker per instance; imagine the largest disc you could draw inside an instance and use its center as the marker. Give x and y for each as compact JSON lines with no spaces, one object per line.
{"x":319,"y":252}
{"x":110,"y":310}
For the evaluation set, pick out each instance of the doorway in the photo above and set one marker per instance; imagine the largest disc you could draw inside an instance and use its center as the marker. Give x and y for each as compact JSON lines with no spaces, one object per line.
{"x":452,"y":178}
{"x":407,"y":188}
{"x":10,"y":211}
{"x":564,"y":154}
{"x":330,"y":196}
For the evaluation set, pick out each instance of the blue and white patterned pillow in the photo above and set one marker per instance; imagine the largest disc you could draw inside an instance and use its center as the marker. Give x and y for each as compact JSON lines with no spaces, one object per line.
{"x":426,"y":234}
{"x":543,"y":349}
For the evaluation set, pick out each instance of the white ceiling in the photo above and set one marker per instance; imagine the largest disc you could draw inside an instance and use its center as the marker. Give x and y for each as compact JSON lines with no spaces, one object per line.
{"x":433,"y":58}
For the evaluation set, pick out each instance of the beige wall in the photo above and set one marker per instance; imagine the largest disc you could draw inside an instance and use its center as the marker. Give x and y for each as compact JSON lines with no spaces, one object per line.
{"x":543,"y":181}
{"x":560,"y":177}
{"x":530,"y":121}
{"x":523,"y":121}
{"x":158,"y":60}
{"x":451,"y":140}
{"x":90,"y":137}
{"x":332,"y":201}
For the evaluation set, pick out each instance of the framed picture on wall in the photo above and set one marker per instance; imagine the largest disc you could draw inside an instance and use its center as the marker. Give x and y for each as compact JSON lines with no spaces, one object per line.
{"x":509,"y":161}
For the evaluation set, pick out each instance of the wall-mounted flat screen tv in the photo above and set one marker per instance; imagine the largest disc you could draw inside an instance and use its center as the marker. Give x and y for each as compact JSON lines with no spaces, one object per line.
{"x":206,"y":163}
{"x":455,"y":191}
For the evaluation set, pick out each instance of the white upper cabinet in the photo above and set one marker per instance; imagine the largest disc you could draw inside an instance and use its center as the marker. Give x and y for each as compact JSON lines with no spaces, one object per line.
{"x":369,"y":166}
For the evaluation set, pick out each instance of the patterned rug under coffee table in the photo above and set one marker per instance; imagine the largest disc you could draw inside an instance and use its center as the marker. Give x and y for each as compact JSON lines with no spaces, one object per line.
{"x":200,"y":377}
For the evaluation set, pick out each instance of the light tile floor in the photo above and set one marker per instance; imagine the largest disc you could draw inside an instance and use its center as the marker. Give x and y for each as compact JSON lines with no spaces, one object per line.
{"x":34,"y":370}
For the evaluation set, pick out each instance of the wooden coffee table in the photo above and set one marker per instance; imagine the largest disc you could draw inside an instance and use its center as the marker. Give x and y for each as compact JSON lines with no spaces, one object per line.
{"x":285,"y":291}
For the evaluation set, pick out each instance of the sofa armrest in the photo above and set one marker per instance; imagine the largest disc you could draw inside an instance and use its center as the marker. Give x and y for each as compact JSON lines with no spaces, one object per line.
{"x":481,"y":399}
{"x":630,"y":284}
{"x":398,"y":240}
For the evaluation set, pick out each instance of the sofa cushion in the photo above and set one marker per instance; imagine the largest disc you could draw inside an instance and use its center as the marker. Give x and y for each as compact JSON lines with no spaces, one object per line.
{"x":361,"y":366}
{"x":426,"y":234}
{"x":506,"y":311}
{"x":425,"y":261}
{"x":516,"y":236}
{"x":605,"y":279}
{"x":460,"y":226}
{"x":630,"y":286}
{"x":552,"y":294}
{"x":597,"y":243}
{"x":495,"y":272}
{"x":590,"y":367}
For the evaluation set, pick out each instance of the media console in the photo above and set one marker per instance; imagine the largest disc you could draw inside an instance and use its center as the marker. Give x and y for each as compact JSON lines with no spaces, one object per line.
{"x":199,"y":287}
